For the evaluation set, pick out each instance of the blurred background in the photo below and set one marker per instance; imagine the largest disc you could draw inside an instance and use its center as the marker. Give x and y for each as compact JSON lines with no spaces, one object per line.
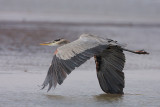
{"x":24,"y":24}
{"x":81,"y":11}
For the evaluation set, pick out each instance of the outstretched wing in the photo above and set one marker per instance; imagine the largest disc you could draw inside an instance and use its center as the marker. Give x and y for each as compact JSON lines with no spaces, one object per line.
{"x":109,"y":65}
{"x":72,"y":55}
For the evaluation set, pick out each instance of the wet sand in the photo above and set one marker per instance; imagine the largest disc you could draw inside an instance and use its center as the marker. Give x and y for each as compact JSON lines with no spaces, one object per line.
{"x":24,"y":64}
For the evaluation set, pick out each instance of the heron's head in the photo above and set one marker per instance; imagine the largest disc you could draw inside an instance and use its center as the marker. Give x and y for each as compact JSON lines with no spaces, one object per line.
{"x":57,"y":42}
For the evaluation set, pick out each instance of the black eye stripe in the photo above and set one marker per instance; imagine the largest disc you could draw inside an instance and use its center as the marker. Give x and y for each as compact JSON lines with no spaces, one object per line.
{"x":58,"y":39}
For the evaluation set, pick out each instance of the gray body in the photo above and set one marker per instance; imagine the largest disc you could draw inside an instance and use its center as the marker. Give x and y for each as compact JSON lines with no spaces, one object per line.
{"x":109,"y":59}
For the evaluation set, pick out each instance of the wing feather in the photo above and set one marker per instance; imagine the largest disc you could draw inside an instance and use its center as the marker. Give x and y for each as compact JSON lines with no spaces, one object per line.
{"x":72,"y":55}
{"x":110,"y":64}
{"x":90,"y":44}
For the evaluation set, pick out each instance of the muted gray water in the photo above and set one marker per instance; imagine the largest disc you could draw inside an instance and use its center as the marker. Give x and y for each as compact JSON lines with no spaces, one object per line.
{"x":24,"y":64}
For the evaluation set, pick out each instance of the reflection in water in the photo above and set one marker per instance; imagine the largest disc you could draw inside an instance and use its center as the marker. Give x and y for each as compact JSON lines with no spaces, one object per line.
{"x":56,"y":97}
{"x":132,"y":94}
{"x":60,"y":98}
{"x":97,"y":98}
{"x":108,"y":97}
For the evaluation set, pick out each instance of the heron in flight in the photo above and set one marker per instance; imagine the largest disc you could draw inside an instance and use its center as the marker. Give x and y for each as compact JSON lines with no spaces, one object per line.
{"x":108,"y":55}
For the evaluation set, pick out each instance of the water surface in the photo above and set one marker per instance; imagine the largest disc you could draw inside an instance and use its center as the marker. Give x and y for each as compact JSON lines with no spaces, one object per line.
{"x":24,"y":64}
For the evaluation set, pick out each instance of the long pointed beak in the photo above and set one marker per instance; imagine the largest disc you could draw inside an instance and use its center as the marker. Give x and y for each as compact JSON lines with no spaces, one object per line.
{"x":46,"y":43}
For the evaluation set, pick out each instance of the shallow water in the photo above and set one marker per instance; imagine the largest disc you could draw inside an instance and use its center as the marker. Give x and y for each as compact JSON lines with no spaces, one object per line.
{"x":79,"y":89}
{"x":24,"y":65}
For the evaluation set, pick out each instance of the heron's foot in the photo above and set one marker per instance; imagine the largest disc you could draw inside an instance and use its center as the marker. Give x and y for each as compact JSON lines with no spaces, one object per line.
{"x":141,"y":52}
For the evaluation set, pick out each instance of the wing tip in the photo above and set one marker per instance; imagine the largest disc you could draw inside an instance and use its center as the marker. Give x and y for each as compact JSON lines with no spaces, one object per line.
{"x":49,"y":88}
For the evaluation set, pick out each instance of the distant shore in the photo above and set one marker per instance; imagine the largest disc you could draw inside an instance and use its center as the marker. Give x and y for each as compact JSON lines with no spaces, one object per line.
{"x":50,"y":23}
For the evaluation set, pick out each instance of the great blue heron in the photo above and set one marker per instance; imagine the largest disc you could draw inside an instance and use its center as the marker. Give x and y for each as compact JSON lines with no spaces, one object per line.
{"x":108,"y":55}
